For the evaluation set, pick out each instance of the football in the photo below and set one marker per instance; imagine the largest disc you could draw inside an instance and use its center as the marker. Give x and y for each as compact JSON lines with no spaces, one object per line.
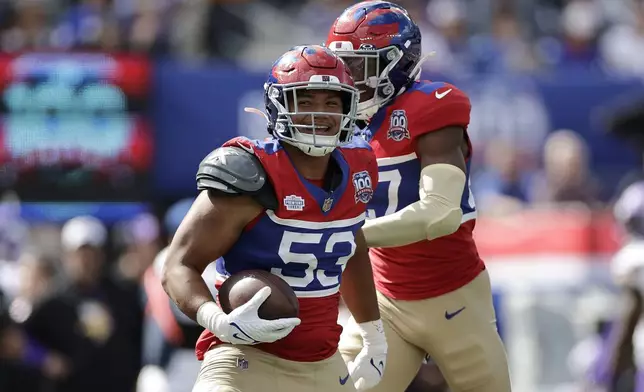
{"x":239,"y":288}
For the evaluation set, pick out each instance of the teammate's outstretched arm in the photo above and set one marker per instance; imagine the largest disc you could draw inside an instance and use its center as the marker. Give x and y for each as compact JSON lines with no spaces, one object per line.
{"x":359,"y":294}
{"x":442,"y":181}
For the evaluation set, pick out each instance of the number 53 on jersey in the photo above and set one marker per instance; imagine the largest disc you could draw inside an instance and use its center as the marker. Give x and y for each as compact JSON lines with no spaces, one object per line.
{"x":314,"y":261}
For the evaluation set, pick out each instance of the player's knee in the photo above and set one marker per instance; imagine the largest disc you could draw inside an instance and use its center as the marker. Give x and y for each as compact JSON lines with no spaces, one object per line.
{"x":469,"y":369}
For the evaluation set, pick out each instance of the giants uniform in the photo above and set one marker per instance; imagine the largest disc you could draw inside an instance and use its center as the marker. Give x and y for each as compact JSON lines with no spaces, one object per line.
{"x":307,"y":241}
{"x":453,"y":260}
{"x":435,"y":295}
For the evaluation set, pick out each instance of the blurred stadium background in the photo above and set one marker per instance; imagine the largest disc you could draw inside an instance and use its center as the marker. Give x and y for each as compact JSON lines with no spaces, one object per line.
{"x":109,"y":105}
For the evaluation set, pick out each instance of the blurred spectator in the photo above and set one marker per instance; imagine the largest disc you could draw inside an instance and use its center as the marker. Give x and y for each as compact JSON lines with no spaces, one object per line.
{"x":227,"y":32}
{"x":14,"y":234}
{"x":86,"y":25}
{"x":446,"y":34}
{"x":93,"y":323}
{"x":581,"y":21}
{"x":27,"y":26}
{"x":566,"y":176}
{"x":169,"y":336}
{"x":15,"y":375}
{"x":622,"y":46}
{"x":473,"y":36}
{"x":504,"y":50}
{"x":37,"y":278}
{"x":140,"y":236}
{"x":503,"y":185}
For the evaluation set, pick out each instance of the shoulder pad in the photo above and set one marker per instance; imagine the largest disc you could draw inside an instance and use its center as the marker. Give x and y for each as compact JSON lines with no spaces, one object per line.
{"x":234,"y":171}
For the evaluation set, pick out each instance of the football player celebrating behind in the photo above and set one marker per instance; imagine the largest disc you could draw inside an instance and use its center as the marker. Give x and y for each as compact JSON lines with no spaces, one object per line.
{"x":293,"y":205}
{"x":433,"y":289}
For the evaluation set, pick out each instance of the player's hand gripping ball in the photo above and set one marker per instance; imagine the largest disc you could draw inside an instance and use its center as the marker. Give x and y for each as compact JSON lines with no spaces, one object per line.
{"x":260,"y":308}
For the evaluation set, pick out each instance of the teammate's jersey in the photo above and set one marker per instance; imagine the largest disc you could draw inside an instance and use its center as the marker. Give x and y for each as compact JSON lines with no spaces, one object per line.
{"x":307,"y":242}
{"x":428,"y":268}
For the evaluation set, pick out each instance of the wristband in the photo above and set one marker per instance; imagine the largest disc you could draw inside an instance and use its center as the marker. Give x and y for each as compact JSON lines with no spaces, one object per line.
{"x":207,"y":313}
{"x":372,"y":332}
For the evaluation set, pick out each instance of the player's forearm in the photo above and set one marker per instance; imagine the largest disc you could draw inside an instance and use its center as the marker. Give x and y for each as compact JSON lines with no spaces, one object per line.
{"x":186,"y":288}
{"x":436,"y":214}
{"x":358,"y":290}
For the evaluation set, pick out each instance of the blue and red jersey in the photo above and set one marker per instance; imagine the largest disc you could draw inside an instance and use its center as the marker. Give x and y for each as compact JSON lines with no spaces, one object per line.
{"x":307,"y":241}
{"x":428,"y":268}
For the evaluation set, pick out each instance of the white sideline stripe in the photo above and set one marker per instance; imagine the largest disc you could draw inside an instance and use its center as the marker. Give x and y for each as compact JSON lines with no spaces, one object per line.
{"x":316,"y":225}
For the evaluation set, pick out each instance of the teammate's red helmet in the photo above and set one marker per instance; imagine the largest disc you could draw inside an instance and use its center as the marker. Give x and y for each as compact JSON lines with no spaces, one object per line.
{"x":311,"y":67}
{"x":381,"y":44}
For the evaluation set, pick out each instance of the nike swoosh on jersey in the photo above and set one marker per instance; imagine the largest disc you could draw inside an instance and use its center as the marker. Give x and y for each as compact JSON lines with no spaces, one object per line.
{"x":442,"y":95}
{"x":343,"y":380}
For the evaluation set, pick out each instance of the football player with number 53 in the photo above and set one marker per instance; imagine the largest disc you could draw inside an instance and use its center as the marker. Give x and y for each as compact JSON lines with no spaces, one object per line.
{"x":433,"y":289}
{"x":293,"y":205}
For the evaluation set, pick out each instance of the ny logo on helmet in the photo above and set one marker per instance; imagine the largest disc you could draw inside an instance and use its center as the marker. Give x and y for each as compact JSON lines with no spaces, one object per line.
{"x":362,"y":185}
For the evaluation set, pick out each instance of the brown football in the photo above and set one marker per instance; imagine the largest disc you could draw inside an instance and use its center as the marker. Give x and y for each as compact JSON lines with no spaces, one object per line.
{"x":239,"y":288}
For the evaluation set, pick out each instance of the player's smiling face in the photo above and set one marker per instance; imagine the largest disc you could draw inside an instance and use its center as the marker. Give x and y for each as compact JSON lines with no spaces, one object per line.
{"x":323,"y":105}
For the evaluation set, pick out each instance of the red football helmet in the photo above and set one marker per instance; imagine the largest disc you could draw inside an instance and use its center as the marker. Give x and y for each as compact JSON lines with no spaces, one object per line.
{"x":381,"y":44}
{"x":311,"y":67}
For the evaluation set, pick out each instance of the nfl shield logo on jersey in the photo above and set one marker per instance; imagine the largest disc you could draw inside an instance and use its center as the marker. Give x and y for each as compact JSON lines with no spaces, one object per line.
{"x":328,"y":203}
{"x":398,"y":126}
{"x":362,"y":184}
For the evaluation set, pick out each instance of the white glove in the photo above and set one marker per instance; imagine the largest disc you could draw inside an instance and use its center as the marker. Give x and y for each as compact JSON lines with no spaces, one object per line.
{"x":367,"y":368}
{"x":243,"y":325}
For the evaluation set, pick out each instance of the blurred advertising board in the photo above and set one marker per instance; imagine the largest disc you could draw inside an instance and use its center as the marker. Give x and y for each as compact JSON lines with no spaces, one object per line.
{"x":74,"y":126}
